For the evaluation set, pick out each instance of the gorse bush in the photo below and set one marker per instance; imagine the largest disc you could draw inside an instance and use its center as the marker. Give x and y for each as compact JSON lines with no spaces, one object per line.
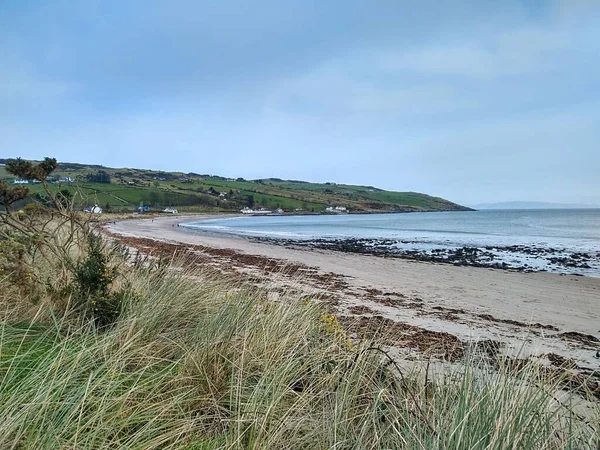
{"x":49,"y":251}
{"x":13,"y":262}
{"x":94,"y":294}
{"x":93,"y":275}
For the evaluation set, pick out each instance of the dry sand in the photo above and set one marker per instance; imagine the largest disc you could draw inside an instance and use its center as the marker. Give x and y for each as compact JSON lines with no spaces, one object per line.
{"x":529,"y":313}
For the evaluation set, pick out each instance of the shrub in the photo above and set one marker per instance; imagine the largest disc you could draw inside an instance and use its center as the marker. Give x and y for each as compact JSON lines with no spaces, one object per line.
{"x":93,"y":279}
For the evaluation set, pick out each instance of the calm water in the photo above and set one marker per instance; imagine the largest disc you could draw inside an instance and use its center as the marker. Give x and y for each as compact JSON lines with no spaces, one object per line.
{"x":566,"y":230}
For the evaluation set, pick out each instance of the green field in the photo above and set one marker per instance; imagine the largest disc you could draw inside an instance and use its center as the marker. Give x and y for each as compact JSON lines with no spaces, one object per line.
{"x":128,"y":188}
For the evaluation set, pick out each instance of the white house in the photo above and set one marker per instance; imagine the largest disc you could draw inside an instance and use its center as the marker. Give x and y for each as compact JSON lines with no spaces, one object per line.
{"x":170,"y":210}
{"x":94,"y":209}
{"x":255,"y":212}
{"x":21,"y":182}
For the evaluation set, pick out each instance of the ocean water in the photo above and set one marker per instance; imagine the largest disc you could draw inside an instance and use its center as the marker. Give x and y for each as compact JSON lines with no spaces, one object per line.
{"x":560,"y":232}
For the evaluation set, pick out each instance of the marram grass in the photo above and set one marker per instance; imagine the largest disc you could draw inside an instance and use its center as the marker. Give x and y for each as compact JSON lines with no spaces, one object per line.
{"x":195,"y":364}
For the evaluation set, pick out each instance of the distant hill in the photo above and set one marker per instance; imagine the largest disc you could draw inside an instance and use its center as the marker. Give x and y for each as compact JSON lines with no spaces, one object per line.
{"x":124,"y":189}
{"x":532,"y":205}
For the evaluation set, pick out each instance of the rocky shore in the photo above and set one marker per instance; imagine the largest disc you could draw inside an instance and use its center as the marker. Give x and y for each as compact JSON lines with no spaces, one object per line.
{"x":520,"y":258}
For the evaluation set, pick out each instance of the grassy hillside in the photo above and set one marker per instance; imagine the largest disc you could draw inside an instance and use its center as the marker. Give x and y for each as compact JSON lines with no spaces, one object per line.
{"x":191,"y":191}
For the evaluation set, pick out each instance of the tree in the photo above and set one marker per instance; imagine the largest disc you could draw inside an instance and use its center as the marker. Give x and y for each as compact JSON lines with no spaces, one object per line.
{"x":99,"y":177}
{"x":26,"y":169}
{"x":250,"y":199}
{"x":154,"y":198}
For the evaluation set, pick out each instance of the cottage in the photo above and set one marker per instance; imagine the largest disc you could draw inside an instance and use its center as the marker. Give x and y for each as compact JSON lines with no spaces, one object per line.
{"x":93,"y":210}
{"x":336,"y":209}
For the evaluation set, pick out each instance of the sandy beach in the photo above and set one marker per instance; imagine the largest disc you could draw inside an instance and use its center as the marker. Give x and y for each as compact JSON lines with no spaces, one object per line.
{"x":544,"y":315}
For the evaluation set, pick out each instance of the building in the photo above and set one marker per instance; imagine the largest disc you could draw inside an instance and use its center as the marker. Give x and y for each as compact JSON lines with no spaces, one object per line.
{"x":170,"y":211}
{"x":255,"y":212}
{"x":93,"y":210}
{"x":336,"y":209}
{"x":21,"y":182}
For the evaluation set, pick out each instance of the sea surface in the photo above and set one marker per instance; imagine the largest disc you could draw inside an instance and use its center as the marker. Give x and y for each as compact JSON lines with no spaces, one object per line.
{"x":566,"y":241}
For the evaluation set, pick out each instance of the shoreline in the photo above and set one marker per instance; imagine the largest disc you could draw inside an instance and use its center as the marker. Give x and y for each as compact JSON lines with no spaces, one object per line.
{"x":544,"y":315}
{"x":507,"y":254}
{"x":555,"y":260}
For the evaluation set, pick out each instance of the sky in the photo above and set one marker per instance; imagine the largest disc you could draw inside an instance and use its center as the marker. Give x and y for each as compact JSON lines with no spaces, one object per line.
{"x":475,"y":101}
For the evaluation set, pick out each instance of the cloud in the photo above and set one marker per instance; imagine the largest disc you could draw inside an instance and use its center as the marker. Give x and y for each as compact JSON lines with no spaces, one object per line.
{"x":524,"y":52}
{"x":334,"y":88}
{"x":472,"y":101}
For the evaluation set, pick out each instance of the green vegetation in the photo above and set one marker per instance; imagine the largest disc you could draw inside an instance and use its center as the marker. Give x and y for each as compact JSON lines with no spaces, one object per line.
{"x":193,"y":365}
{"x":186,"y":360}
{"x":126,"y":189}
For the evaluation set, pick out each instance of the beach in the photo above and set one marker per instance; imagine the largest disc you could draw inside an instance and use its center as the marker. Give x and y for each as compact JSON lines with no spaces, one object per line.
{"x":543,"y":315}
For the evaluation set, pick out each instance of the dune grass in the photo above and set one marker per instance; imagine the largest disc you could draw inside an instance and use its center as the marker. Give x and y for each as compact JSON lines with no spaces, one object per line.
{"x":194,"y":363}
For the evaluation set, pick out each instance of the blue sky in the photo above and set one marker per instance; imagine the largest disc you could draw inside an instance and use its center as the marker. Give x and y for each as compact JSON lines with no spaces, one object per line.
{"x":475,"y":101}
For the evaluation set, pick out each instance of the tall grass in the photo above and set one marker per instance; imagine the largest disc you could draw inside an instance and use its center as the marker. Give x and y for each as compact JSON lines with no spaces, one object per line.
{"x":194,"y":363}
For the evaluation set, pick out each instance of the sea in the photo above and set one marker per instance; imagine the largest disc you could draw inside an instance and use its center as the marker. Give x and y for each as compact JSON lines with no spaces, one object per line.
{"x":564,"y":241}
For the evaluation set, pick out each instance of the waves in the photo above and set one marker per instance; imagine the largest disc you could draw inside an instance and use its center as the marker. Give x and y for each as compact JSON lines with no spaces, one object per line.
{"x":574,"y":230}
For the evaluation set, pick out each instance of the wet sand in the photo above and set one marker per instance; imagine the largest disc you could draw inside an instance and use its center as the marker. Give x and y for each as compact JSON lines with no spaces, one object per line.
{"x":529,"y":314}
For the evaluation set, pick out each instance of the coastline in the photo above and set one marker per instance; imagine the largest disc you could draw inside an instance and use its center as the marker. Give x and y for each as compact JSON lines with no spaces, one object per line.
{"x":476,"y":246}
{"x":545,"y":315}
